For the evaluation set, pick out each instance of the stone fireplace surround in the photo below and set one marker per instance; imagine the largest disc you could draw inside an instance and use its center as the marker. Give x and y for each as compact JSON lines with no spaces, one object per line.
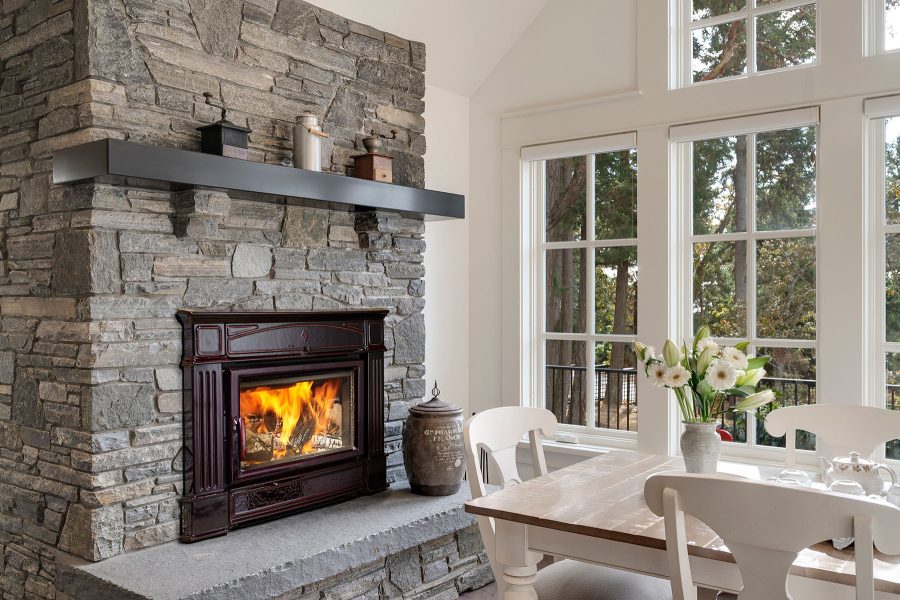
{"x":91,"y":275}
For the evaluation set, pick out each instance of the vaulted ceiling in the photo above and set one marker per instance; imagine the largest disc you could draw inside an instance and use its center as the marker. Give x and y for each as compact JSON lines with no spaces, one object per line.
{"x":464,"y":39}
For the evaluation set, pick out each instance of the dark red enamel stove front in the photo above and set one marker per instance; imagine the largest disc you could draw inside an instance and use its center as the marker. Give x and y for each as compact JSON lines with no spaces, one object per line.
{"x":283,"y":412}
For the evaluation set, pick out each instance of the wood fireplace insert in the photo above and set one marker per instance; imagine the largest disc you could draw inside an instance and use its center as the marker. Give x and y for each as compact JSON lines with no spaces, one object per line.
{"x":283,"y":411}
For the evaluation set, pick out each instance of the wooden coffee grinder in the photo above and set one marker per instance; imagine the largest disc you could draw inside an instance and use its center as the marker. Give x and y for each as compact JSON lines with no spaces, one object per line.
{"x":375,"y":165}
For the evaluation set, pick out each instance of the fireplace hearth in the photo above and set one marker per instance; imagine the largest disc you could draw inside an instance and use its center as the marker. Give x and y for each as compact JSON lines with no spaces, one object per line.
{"x":283,"y":413}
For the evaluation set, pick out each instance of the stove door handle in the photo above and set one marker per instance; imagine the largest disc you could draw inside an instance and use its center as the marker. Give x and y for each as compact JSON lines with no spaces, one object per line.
{"x":242,"y":437}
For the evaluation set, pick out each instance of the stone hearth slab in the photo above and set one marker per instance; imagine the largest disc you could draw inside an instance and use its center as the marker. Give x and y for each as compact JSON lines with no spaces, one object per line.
{"x":270,"y":559}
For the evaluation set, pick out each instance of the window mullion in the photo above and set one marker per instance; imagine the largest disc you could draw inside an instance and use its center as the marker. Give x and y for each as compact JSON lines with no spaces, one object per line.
{"x":751,"y":264}
{"x":540,"y":270}
{"x":590,"y":292}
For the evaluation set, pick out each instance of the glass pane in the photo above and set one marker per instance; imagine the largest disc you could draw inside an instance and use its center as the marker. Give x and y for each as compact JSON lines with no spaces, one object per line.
{"x":616,"y":293}
{"x":791,"y":372}
{"x":703,"y":9}
{"x":720,"y":288}
{"x":786,"y":179}
{"x":719,"y":51}
{"x":892,"y":288}
{"x":892,"y":397}
{"x":786,"y":288}
{"x":615,"y":195}
{"x":734,"y":423}
{"x":566,"y":186}
{"x":615,"y":386}
{"x":786,"y":38}
{"x":892,"y":169}
{"x":290,"y":418}
{"x":565,"y":290}
{"x":567,"y":381}
{"x":720,"y":185}
{"x":891,"y":24}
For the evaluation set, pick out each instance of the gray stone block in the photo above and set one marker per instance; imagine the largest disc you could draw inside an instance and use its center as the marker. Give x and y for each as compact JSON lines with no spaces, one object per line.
{"x":218,"y":25}
{"x":26,"y":405}
{"x":119,"y":405}
{"x":85,"y":261}
{"x":409,"y":340}
{"x":207,"y":293}
{"x":251,"y":261}
{"x":297,"y":18}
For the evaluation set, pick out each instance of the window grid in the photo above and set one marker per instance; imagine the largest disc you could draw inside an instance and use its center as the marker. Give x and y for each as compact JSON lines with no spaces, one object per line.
{"x":589,"y":337}
{"x":752,"y":236}
{"x":749,"y":15}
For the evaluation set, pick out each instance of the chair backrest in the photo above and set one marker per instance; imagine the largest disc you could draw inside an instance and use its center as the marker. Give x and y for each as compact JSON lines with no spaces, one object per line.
{"x":765,"y":526}
{"x":839,"y":429}
{"x":498,"y":431}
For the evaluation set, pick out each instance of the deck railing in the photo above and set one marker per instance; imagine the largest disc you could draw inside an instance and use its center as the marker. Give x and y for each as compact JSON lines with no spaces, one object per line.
{"x":615,"y":396}
{"x":615,"y":403}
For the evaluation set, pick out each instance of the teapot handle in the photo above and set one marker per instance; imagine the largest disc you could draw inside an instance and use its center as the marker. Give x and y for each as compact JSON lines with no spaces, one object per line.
{"x":890,"y":472}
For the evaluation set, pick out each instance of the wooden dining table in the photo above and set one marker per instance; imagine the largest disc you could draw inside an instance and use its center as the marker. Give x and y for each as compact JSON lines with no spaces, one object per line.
{"x":594,"y":511}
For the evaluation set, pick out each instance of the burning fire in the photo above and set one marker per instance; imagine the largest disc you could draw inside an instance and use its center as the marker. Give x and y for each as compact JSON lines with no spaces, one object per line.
{"x":299,"y":415}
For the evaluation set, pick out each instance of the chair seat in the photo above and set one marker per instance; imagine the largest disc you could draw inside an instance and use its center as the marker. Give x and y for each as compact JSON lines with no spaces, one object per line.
{"x":573,"y":580}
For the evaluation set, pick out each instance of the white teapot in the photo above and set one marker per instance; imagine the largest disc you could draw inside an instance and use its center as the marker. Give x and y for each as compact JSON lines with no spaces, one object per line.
{"x":858,"y":469}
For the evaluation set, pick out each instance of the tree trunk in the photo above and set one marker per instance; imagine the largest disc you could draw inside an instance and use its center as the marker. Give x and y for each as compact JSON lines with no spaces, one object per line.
{"x":566,"y":180}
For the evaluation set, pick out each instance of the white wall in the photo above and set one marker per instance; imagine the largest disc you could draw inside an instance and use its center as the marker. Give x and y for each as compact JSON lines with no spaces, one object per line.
{"x":574,"y":50}
{"x":447,"y":254}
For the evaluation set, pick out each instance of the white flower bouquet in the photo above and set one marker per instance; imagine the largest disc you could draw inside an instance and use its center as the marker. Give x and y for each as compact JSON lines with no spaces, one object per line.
{"x":704,"y":375}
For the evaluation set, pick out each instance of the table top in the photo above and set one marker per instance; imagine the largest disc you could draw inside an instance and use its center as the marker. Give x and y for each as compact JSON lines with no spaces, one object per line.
{"x":603,"y":497}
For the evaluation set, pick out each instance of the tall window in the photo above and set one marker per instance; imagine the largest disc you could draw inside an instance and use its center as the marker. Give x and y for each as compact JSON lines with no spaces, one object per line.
{"x":750,"y":260}
{"x":885,"y":166}
{"x":730,"y":38}
{"x":588,"y":266}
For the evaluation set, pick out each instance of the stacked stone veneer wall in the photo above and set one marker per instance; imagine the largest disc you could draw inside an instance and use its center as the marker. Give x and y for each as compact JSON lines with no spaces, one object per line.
{"x":91,"y":275}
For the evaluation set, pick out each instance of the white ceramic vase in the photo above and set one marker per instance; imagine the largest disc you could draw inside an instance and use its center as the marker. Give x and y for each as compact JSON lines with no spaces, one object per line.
{"x":700,"y":447}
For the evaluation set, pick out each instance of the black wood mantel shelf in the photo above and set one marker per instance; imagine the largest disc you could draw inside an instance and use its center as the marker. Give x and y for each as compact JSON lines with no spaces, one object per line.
{"x":114,"y":159}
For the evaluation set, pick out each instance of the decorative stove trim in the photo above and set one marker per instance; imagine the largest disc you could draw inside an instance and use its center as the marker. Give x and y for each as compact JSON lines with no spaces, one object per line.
{"x":218,"y":347}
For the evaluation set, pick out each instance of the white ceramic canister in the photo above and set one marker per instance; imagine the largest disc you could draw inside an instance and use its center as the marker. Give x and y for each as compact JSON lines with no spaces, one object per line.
{"x":308,"y":137}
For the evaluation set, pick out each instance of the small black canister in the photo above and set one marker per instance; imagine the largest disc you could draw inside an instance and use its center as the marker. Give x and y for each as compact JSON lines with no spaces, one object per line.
{"x":433,"y":447}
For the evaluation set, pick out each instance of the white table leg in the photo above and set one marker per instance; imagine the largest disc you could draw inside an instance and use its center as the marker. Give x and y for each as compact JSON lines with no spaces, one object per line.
{"x":519,"y":565}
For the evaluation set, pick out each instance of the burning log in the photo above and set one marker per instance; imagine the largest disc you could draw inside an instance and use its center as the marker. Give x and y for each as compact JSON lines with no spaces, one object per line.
{"x":302,"y":433}
{"x":259,"y":446}
{"x":327,"y":442}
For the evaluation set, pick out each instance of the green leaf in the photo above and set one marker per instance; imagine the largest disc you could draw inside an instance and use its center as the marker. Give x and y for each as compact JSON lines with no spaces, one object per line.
{"x":739,"y":393}
{"x":757,"y":362}
{"x":742,"y":346}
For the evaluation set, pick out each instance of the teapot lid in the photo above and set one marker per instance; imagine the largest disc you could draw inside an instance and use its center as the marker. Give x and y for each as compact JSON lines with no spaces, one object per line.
{"x":854,"y":459}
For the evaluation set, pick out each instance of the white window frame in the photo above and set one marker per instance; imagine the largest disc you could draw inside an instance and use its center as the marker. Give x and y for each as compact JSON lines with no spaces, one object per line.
{"x":683,"y":28}
{"x":876,"y":111}
{"x":682,"y":137}
{"x":536,"y":246}
{"x":875,"y":24}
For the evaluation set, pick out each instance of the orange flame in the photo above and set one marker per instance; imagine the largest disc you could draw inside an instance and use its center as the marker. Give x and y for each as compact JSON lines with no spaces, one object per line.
{"x":310,"y":403}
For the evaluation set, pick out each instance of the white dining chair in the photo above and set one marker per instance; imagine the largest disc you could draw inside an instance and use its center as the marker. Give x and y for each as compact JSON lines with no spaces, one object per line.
{"x":766,"y":541}
{"x":498,"y":431}
{"x":839,"y":429}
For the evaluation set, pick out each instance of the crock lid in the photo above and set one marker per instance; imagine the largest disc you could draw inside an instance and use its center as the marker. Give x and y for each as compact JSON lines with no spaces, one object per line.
{"x":436,"y":406}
